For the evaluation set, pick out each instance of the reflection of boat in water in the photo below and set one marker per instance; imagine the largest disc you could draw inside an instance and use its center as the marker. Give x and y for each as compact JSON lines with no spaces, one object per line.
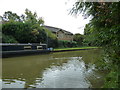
{"x":16,"y":49}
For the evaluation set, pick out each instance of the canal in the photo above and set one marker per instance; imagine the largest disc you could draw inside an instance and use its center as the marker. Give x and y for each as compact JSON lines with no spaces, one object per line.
{"x":74,"y":69}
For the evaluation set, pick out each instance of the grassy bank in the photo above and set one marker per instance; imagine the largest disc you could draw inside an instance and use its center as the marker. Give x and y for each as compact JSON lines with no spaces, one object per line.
{"x":74,"y":48}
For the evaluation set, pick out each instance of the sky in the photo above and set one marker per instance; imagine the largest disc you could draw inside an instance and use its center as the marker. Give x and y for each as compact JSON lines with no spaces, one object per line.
{"x":54,"y":12}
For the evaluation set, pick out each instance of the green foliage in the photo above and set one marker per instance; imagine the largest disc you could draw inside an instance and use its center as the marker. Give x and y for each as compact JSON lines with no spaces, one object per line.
{"x":111,"y":80}
{"x":9,"y":16}
{"x":32,"y":18}
{"x":26,"y":28}
{"x":50,"y":34}
{"x":21,"y":31}
{"x":103,"y":30}
{"x":51,"y":39}
{"x":65,"y":44}
{"x":8,"y":39}
{"x":89,"y":36}
{"x":79,"y":39}
{"x":52,"y":42}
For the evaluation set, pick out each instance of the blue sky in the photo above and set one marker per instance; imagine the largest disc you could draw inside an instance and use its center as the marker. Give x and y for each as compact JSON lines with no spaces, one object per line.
{"x":54,"y":12}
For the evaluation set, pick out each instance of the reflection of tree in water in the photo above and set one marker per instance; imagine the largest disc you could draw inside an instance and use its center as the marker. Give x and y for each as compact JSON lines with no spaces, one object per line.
{"x":89,"y":56}
{"x":29,"y":68}
{"x":72,"y":74}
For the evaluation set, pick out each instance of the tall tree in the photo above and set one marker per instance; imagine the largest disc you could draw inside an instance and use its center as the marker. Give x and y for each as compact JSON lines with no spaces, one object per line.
{"x":105,"y":24}
{"x":26,"y":28}
{"x":8,"y":16}
{"x":32,"y":18}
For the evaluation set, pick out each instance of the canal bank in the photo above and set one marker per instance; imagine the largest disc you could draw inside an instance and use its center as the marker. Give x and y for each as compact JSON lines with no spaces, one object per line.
{"x":14,"y":53}
{"x":74,"y":49}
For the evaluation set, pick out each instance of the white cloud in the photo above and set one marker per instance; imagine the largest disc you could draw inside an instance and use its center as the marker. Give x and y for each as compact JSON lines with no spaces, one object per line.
{"x":54,"y":12}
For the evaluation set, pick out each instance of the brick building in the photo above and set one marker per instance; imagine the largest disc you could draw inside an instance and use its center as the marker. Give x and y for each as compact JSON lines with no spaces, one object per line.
{"x":60,"y":33}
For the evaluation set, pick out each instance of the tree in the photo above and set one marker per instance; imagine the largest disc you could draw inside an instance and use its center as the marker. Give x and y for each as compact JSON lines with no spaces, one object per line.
{"x":8,"y":16}
{"x":51,"y":39}
{"x":32,"y":18}
{"x":105,"y":21}
{"x":89,"y":36}
{"x":26,"y":28}
{"x":8,"y":39}
{"x":78,"y":38}
{"x":22,"y":32}
{"x":105,"y":26}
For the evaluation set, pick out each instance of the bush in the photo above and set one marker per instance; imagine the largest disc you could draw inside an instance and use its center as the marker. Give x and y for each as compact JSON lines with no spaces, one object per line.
{"x":8,"y":39}
{"x":52,"y":42}
{"x":65,"y":44}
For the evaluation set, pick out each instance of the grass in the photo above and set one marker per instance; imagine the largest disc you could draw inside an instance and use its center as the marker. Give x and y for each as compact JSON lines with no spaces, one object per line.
{"x":57,"y":49}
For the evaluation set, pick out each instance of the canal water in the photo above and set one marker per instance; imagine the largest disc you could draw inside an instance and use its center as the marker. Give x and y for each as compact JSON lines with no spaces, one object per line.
{"x":74,"y":69}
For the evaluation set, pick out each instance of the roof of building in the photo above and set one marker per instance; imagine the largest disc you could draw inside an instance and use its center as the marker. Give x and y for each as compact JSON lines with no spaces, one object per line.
{"x":55,"y":29}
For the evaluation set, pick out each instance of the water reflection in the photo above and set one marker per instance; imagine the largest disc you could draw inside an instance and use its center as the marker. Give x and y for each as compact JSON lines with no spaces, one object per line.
{"x":12,"y":83}
{"x":57,"y":70}
{"x":70,"y":75}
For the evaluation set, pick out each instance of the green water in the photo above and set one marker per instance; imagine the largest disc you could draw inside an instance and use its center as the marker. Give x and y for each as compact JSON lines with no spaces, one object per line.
{"x":74,"y":69}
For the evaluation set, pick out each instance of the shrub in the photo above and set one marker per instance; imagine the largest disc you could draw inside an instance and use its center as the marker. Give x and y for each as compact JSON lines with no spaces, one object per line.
{"x":8,"y":39}
{"x":65,"y":44}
